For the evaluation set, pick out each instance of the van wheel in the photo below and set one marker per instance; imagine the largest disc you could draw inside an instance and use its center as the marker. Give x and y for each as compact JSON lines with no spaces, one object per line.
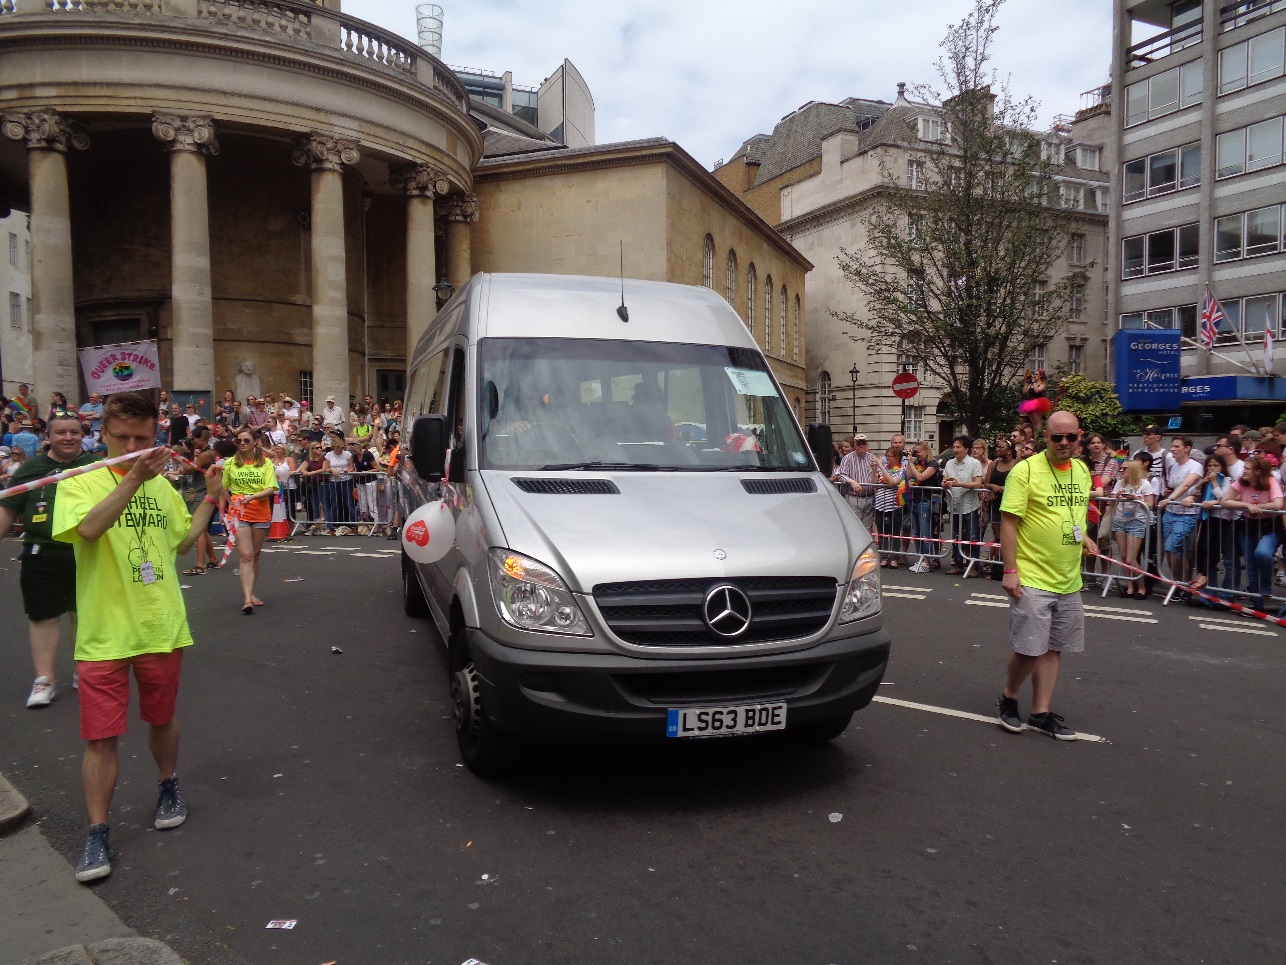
{"x":820,"y":731}
{"x":483,"y":750}
{"x":413,"y":601}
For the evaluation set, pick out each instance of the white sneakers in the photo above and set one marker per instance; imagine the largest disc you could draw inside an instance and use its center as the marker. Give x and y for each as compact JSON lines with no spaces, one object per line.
{"x":42,"y":693}
{"x":919,"y":566}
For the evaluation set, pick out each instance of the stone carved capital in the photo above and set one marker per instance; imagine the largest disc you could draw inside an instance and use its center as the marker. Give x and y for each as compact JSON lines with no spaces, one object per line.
{"x":463,"y":208}
{"x":421,"y":180}
{"x":325,"y":152}
{"x":186,"y":132}
{"x":47,"y":130}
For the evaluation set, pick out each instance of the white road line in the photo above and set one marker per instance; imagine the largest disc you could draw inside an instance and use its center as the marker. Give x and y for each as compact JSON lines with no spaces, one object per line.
{"x":1115,"y":609}
{"x":911,"y":589}
{"x":1234,"y":623}
{"x":1097,"y":616}
{"x":986,"y":603}
{"x":1228,"y":629}
{"x":313,"y":553}
{"x":371,"y":556}
{"x":339,"y":547}
{"x":897,"y":596}
{"x":948,"y":712}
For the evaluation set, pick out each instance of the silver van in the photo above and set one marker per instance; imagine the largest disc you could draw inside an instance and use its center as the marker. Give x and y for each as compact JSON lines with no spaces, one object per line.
{"x":646,"y":545}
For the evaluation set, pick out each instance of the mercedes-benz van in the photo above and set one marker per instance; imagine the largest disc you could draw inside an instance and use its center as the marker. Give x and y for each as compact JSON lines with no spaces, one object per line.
{"x":646,"y":544}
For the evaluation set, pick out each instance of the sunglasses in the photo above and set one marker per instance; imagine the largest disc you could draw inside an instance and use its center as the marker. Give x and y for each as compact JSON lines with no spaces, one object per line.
{"x":1064,"y":436}
{"x":244,"y":441}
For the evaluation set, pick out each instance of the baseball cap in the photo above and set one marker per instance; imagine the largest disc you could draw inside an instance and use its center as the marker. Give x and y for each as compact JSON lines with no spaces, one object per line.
{"x":860,"y":437}
{"x":330,"y":398}
{"x":1152,"y":429}
{"x":1252,"y":434}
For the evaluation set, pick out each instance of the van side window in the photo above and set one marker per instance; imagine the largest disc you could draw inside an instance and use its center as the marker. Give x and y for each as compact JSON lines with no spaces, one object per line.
{"x":455,"y":409}
{"x":427,"y":392}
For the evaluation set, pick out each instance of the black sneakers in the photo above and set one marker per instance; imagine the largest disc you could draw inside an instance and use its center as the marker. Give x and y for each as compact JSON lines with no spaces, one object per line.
{"x":96,"y":860}
{"x":171,"y":811}
{"x":1008,"y":717}
{"x":1051,"y":725}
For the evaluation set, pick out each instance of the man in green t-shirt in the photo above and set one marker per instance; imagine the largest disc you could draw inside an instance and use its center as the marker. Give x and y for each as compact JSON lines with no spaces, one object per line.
{"x":1042,"y":537}
{"x":47,"y":573}
{"x":127,"y":525}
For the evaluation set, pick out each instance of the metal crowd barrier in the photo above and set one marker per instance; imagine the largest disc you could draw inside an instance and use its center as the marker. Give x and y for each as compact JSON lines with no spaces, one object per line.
{"x":360,"y":502}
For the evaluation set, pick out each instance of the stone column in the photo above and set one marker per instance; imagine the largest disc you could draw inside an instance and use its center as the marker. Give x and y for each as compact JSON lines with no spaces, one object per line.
{"x":461,"y":211}
{"x":53,"y":336}
{"x":327,"y":155}
{"x":189,"y":139}
{"x":420,"y":182}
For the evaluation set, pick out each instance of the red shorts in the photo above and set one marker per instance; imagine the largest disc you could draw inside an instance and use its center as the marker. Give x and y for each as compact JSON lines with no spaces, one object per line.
{"x":104,"y":692}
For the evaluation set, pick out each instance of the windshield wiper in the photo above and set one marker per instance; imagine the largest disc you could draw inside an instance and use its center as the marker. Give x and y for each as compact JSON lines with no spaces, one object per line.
{"x":749,"y":468}
{"x":636,"y":466}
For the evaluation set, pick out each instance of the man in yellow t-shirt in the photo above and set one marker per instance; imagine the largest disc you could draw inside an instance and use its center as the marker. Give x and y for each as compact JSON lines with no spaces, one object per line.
{"x":1042,"y":537}
{"x":127,"y":524}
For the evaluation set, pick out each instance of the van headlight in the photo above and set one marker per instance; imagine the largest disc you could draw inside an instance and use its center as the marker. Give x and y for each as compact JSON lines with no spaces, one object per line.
{"x":862,"y":598}
{"x":531,"y":596}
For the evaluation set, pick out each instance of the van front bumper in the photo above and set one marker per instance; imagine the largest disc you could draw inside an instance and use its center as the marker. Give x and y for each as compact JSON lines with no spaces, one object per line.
{"x":588,"y":697}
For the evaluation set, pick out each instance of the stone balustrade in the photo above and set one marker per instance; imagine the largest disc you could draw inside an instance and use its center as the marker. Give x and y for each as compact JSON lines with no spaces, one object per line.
{"x":300,"y":21}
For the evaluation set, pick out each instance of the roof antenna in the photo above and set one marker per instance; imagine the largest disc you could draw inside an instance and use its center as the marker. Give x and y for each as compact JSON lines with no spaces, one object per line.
{"x":623,"y":313}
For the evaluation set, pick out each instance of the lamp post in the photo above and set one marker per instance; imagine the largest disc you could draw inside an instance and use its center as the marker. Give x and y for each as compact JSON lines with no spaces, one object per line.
{"x":852,"y":374}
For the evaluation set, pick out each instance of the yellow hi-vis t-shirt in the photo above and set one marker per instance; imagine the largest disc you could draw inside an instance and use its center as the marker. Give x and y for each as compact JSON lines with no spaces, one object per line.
{"x":1053,"y":505}
{"x":127,"y":583}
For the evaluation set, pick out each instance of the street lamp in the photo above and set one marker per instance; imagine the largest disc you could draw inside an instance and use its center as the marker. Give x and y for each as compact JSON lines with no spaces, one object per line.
{"x":852,"y":374}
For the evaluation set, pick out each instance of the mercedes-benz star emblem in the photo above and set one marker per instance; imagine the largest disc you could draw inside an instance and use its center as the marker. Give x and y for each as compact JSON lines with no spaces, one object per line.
{"x":720,"y":555}
{"x":727,"y":611}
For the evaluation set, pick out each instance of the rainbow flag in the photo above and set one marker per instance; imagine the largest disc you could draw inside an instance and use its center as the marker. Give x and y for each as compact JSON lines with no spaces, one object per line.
{"x":1121,"y":455}
{"x":901,"y":493}
{"x":20,"y":408}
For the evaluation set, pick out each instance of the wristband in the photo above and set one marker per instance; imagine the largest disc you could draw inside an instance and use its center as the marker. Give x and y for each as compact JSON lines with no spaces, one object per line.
{"x":1007,"y":572}
{"x":212,"y":502}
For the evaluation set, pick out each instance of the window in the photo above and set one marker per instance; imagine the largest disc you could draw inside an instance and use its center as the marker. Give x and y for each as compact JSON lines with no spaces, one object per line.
{"x":915,"y":173}
{"x":1230,"y":153}
{"x":930,"y":128}
{"x":1076,"y":303}
{"x":913,"y":426}
{"x":1160,"y":318}
{"x":824,"y":397}
{"x":1036,"y":360}
{"x":1252,"y":62}
{"x":1187,"y":320}
{"x":783,"y":321}
{"x":1259,"y":313}
{"x":29,"y":314}
{"x":1264,"y":144}
{"x":1088,"y":158}
{"x":1159,"y":251}
{"x":1162,"y":173}
{"x":1163,"y":93}
{"x":794,"y":348}
{"x":15,"y":311}
{"x":732,"y":278}
{"x":1251,"y":233}
{"x":306,"y":387}
{"x":914,"y":228}
{"x":13,"y":249}
{"x":707,"y":263}
{"x":768,"y":293}
{"x":1039,"y":302}
{"x":1076,"y":358}
{"x":752,"y":282}
{"x":1076,"y":249}
{"x":1248,"y":11}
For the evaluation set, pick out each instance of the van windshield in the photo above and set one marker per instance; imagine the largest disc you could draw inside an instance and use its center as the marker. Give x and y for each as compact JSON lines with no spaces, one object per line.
{"x":590,"y":404}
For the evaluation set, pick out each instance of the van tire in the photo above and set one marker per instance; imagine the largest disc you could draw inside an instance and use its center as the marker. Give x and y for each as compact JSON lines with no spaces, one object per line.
{"x":820,"y":731}
{"x":413,"y":601}
{"x":482,"y":749}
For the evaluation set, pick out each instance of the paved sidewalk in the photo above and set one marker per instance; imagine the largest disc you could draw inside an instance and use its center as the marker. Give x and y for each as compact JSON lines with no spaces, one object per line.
{"x":48,"y":917}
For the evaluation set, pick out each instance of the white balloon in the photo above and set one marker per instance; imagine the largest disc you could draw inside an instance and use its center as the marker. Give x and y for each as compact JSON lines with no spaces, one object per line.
{"x":429,"y":532}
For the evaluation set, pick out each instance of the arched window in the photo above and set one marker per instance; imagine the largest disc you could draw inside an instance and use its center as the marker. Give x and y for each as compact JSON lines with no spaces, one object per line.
{"x":795,"y":344}
{"x":707,"y":263}
{"x":824,"y":398}
{"x":782,"y":337}
{"x":752,"y":282}
{"x":768,"y":314}
{"x":732,"y":279}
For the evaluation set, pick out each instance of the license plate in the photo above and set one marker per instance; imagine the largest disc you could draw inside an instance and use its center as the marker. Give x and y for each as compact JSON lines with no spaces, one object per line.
{"x":725,"y":721}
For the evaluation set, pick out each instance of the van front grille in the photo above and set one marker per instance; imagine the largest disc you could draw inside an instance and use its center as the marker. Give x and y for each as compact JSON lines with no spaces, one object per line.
{"x":774,"y":487}
{"x":567,"y":487}
{"x":669,"y":613}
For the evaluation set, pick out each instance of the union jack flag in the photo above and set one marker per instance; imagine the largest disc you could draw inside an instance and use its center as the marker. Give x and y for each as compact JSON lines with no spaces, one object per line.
{"x":1211,"y":317}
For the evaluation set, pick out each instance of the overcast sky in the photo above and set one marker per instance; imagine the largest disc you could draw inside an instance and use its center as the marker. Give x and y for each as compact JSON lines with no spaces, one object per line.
{"x":710,"y":73}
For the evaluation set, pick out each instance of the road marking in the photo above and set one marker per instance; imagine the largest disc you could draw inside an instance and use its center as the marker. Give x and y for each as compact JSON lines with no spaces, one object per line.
{"x":965,"y":715}
{"x":371,"y":556}
{"x":313,"y":553}
{"x":1233,"y":623}
{"x":987,"y":599}
{"x":1228,"y":629}
{"x":906,"y":596}
{"x":339,"y":547}
{"x":909,"y":589}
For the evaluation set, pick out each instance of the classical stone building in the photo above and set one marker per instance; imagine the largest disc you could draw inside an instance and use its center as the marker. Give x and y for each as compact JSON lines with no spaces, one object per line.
{"x":15,"y":310}
{"x":288,"y":186}
{"x":815,"y":177}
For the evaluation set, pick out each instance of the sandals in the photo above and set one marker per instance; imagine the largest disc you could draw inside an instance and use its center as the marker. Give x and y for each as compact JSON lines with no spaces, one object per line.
{"x":247,"y":610}
{"x":893,"y":564}
{"x":195,"y":571}
{"x":1200,"y":583}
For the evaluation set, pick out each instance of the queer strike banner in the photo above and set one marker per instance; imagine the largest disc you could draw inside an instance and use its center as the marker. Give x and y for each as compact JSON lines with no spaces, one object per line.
{"x":127,"y":367}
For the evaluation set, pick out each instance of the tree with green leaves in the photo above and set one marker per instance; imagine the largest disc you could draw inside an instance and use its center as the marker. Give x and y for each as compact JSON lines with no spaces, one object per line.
{"x":956,"y":268}
{"x":1097,"y":405}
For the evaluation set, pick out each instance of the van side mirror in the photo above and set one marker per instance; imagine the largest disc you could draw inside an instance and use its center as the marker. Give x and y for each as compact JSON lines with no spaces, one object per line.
{"x":429,"y":441}
{"x":822,"y":446}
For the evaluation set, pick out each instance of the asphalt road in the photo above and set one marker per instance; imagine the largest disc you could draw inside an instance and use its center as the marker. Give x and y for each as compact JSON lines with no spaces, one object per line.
{"x":326,"y":788}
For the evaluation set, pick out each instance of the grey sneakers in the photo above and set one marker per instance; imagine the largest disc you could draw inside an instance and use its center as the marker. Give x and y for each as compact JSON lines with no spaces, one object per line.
{"x":171,"y":811}
{"x":1051,"y":725}
{"x":42,"y":693}
{"x":1008,"y":717}
{"x":96,"y":860}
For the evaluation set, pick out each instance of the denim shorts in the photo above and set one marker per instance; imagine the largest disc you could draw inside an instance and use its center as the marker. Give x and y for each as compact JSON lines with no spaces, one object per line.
{"x":1136,"y":527}
{"x":1179,"y":530}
